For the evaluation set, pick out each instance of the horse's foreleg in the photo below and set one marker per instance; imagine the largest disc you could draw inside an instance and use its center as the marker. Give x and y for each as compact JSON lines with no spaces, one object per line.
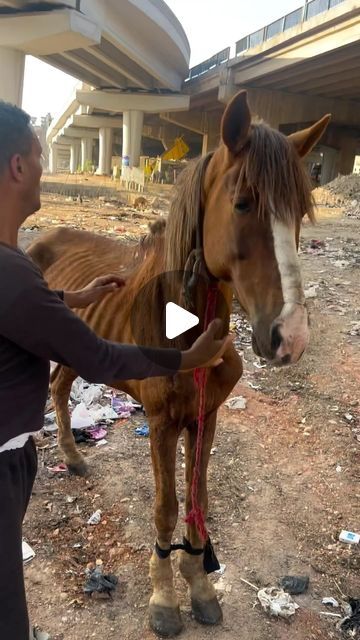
{"x":164,"y":607}
{"x":60,"y":390}
{"x":205,"y":606}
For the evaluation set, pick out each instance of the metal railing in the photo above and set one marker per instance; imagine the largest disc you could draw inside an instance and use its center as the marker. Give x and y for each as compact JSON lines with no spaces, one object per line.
{"x":215,"y":60}
{"x":302,"y":14}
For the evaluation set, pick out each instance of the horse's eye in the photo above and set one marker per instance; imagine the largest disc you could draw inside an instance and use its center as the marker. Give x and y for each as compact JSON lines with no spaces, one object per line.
{"x":242,"y":205}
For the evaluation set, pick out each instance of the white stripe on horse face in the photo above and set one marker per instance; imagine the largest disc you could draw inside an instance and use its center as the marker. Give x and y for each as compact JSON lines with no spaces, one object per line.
{"x":293,"y":325}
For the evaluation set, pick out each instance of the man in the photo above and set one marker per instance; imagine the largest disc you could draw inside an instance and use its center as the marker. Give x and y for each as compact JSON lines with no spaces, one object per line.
{"x":36,"y":326}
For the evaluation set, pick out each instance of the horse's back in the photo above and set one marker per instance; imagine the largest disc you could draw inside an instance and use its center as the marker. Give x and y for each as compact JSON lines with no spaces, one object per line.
{"x":70,"y":258}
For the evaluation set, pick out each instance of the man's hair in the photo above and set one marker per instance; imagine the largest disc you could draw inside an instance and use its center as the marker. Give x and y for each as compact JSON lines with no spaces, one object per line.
{"x":15,"y":133}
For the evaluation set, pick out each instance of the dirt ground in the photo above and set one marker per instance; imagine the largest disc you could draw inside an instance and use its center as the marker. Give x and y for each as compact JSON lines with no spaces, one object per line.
{"x":284,"y":477}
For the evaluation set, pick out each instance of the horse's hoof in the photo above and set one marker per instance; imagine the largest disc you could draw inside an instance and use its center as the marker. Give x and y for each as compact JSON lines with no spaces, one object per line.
{"x":165,"y":621}
{"x":78,"y":469}
{"x":207,"y":611}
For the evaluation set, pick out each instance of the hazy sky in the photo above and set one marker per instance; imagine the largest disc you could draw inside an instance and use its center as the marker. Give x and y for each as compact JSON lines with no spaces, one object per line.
{"x":210,"y":25}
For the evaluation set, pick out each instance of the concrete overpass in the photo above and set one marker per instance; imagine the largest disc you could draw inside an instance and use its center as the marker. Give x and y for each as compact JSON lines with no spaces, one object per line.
{"x":296,"y":69}
{"x":135,"y":44}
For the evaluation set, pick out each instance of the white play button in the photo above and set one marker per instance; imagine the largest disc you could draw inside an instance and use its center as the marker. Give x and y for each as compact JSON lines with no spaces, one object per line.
{"x":178,"y":320}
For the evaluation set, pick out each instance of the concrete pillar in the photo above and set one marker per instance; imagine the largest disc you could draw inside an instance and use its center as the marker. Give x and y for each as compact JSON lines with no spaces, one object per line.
{"x":12,"y":65}
{"x":74,"y":156}
{"x":105,"y":151}
{"x":328,"y":165}
{"x":347,"y":155}
{"x":86,"y":152}
{"x":53,"y":158}
{"x":132,"y":132}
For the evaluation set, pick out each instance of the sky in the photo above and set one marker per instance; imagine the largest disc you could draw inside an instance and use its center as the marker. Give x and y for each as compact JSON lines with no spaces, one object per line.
{"x":210,"y":25}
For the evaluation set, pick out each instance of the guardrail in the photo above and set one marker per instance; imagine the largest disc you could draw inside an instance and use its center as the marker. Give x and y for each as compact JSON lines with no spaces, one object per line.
{"x":302,"y":14}
{"x":210,"y":63}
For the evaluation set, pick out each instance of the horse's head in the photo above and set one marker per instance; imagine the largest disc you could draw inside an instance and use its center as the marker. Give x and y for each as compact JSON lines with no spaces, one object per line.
{"x":256,"y":192}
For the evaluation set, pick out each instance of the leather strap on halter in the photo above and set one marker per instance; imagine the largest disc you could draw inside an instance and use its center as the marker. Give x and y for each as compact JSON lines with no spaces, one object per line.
{"x":195,"y":265}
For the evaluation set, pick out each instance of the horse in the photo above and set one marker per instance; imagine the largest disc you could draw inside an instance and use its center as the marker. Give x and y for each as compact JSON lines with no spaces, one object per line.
{"x":234,"y":225}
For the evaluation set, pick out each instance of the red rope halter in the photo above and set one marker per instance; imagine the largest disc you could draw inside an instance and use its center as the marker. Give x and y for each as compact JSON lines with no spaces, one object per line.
{"x":196,"y":515}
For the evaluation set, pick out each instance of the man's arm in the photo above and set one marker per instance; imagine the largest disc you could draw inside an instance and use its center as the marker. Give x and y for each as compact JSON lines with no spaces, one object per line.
{"x":37,"y":320}
{"x":93,"y":292}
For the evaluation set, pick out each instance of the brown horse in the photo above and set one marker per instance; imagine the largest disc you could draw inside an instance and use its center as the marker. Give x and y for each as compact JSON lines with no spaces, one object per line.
{"x":235,"y":220}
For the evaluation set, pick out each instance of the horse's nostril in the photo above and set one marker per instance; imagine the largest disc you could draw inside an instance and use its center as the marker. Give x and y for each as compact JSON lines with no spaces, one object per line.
{"x":286,"y":359}
{"x":276,"y":338}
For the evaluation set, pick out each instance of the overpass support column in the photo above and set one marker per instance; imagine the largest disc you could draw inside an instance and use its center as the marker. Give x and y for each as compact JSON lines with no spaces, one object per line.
{"x":74,"y":156}
{"x":12,"y":65}
{"x":132,"y":132}
{"x":53,"y":158}
{"x":347,"y":155}
{"x":86,"y":152}
{"x":105,"y":151}
{"x":328,"y":166}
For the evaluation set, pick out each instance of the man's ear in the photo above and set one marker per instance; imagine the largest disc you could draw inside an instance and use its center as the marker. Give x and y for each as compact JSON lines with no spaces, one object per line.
{"x":16,"y":167}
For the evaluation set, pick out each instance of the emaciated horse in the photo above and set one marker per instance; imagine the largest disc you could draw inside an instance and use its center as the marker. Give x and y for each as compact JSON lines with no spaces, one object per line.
{"x":236,"y":219}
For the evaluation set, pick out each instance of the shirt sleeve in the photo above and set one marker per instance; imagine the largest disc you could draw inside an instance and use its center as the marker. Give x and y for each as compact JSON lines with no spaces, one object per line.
{"x":34,"y":318}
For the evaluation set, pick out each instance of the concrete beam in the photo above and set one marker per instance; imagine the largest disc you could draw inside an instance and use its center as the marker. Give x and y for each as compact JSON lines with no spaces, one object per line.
{"x":74,"y":132}
{"x":51,"y":32}
{"x":119,"y":102}
{"x":192,"y":120}
{"x":278,"y":107}
{"x":316,"y":44}
{"x":94,"y":122}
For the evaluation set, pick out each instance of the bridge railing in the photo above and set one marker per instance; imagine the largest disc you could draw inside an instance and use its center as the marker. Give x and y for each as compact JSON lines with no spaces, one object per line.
{"x":302,"y":14}
{"x":215,"y":60}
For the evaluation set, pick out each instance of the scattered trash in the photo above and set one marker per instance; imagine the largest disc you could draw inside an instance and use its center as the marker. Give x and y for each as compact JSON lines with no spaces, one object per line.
{"x":349,"y":536}
{"x":81,"y":417}
{"x":277,"y":602}
{"x":95,"y":518}
{"x":59,"y":468}
{"x":27,"y":552}
{"x":98,"y":582}
{"x":35,"y":634}
{"x":98,"y":433}
{"x":142,"y":431}
{"x":101,"y":443}
{"x":351,"y":623}
{"x":239,"y":402}
{"x":295,"y":584}
{"x":310,"y":292}
{"x":338,"y":468}
{"x":331,"y":602}
{"x":221,"y":571}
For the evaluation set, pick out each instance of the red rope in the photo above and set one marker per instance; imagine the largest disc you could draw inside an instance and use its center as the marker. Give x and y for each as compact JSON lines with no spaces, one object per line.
{"x":196,"y":515}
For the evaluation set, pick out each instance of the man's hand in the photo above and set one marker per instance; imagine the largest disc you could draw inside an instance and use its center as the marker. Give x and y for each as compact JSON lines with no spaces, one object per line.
{"x":94,"y":291}
{"x":206,"y":350}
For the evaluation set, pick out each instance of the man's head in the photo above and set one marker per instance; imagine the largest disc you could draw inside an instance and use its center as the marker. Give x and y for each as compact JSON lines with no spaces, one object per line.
{"x":20,"y":162}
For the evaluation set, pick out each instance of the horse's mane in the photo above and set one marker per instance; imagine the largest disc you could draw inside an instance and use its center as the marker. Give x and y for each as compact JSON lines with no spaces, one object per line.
{"x":269,"y":165}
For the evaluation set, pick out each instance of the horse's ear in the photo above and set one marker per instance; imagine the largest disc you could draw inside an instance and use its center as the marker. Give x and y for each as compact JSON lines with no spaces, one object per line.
{"x":306,"y":139}
{"x":235,"y":122}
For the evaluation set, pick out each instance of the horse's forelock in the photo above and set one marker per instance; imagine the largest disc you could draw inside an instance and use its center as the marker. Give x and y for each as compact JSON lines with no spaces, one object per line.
{"x":272,"y":169}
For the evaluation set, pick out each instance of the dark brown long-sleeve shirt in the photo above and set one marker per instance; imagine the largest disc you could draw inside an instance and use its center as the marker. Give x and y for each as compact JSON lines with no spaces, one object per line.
{"x":36,"y":327}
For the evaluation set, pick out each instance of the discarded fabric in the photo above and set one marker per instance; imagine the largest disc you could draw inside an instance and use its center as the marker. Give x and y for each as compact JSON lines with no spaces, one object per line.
{"x":277,"y":602}
{"x":142,"y":431}
{"x":99,"y":582}
{"x":294,"y":584}
{"x":351,"y":624}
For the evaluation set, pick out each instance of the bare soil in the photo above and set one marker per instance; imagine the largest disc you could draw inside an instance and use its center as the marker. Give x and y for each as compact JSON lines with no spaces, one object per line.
{"x":284,"y":477}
